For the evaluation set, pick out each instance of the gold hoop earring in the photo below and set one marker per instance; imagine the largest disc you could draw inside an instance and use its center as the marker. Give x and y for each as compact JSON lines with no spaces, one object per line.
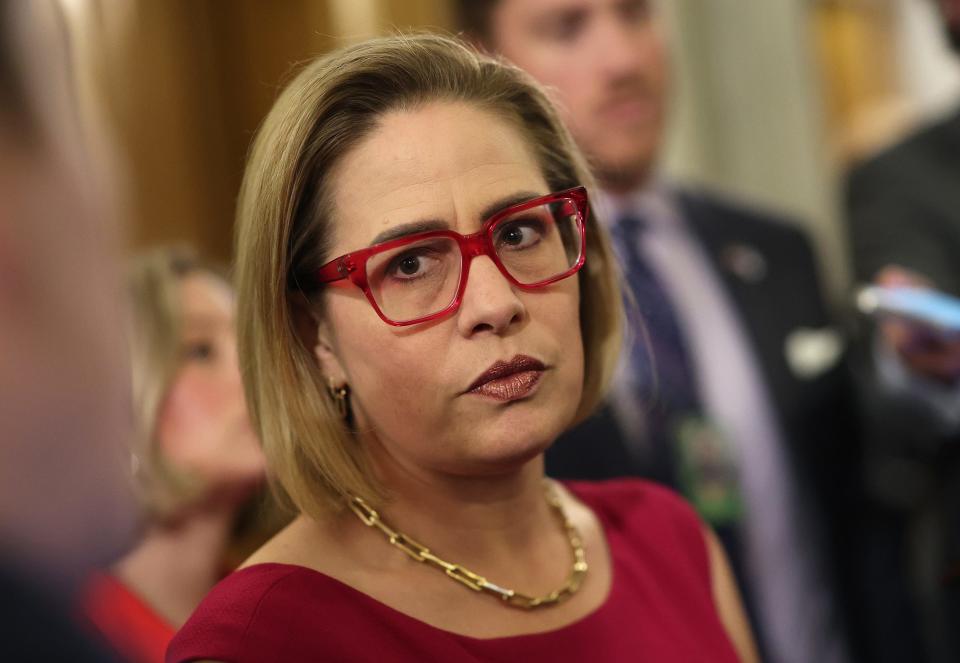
{"x":340,"y":396}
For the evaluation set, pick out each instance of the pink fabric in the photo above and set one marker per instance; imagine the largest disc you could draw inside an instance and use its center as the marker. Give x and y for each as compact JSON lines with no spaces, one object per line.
{"x":660,"y":607}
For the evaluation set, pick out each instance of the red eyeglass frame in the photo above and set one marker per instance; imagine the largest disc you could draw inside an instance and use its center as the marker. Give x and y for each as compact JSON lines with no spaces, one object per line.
{"x":352,"y":265}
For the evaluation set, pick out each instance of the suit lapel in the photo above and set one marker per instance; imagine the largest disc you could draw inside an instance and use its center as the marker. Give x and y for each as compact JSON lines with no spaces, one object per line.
{"x":744,"y":269}
{"x":741,"y":266}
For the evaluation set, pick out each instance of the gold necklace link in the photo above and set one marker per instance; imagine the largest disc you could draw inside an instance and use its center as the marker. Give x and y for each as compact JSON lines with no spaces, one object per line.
{"x":369,"y":516}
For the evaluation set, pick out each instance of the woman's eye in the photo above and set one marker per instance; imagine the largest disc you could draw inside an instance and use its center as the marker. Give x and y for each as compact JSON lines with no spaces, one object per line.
{"x":421,"y":262}
{"x":199,"y":351}
{"x":520,"y":235}
{"x":564,"y":28}
{"x":411,"y":265}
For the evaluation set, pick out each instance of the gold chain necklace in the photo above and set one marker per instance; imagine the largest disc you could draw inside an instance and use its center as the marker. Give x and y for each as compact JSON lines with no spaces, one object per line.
{"x":476,"y":582}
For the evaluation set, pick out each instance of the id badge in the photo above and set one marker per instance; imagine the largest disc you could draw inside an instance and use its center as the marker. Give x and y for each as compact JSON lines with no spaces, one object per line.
{"x":708,"y":471}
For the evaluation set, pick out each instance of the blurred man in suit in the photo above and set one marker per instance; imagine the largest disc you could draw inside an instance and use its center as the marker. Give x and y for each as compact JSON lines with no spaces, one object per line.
{"x":732,"y":389}
{"x":904,"y":208}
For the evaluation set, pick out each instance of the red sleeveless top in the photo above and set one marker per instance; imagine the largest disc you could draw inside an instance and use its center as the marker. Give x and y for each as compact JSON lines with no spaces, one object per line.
{"x":660,"y":607}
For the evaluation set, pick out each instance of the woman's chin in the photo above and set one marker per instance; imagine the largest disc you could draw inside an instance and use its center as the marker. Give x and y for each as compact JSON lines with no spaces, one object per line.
{"x":506,"y":456}
{"x":233,"y":490}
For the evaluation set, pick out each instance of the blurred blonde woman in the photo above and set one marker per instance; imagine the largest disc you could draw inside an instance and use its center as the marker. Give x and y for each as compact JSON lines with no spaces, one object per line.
{"x":196,"y":459}
{"x":426,"y":302}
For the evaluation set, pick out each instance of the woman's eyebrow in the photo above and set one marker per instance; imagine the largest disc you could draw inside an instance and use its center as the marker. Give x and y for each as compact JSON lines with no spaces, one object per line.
{"x":507,"y":201}
{"x":412,"y":228}
{"x":426,"y":225}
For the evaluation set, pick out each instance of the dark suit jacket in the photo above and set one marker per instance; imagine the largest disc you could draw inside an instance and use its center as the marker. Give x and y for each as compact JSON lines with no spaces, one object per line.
{"x":816,"y":414}
{"x":904,"y":209}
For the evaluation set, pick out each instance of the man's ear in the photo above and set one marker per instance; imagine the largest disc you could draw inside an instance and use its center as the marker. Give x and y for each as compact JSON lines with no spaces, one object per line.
{"x":315,"y":334}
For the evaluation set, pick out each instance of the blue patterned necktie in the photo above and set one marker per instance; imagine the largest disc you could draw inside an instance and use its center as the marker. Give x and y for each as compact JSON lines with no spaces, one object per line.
{"x":661,"y":368}
{"x":665,"y":384}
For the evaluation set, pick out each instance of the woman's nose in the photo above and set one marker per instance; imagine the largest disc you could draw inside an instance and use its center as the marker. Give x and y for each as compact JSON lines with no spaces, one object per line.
{"x":490,"y":302}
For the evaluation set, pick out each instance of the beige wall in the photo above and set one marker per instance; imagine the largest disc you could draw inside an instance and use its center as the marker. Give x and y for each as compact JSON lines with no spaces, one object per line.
{"x":183,"y":85}
{"x":748,"y":113}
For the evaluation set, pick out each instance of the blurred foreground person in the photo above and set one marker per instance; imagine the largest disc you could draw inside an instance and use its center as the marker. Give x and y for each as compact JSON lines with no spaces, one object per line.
{"x":734,"y":390}
{"x":65,"y":501}
{"x":420,"y":318}
{"x":197,"y":460}
{"x":904,"y":207}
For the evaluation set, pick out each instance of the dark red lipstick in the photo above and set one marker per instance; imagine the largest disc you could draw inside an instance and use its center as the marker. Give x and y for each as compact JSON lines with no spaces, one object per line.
{"x":509,"y":380}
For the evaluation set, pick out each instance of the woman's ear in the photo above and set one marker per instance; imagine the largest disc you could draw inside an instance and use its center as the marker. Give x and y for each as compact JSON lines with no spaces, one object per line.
{"x":324,"y":349}
{"x":315,"y":334}
{"x":304,"y":320}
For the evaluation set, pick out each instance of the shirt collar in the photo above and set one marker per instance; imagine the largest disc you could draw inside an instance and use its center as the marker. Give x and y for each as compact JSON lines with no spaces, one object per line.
{"x":653,"y":202}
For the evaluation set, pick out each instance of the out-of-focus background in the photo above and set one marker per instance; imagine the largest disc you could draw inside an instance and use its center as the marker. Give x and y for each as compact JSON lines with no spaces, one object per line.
{"x":773,"y":103}
{"x":773,"y":100}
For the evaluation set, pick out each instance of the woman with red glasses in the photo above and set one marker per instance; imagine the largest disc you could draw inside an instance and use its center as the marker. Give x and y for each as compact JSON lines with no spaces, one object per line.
{"x":425,"y":303}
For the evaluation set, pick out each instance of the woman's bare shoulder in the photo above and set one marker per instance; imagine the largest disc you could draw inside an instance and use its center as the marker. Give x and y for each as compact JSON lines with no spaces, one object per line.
{"x":318,"y":544}
{"x":295,"y":544}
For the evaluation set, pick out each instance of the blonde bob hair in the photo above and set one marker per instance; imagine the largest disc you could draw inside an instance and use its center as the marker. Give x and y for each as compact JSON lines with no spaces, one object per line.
{"x":284,"y":234}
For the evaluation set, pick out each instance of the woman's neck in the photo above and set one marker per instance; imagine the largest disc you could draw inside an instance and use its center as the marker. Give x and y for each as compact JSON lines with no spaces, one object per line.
{"x":492,"y":522}
{"x":176,"y":564}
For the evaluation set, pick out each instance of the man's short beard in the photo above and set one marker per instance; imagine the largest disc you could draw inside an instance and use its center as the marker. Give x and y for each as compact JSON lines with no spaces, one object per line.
{"x":623,"y":178}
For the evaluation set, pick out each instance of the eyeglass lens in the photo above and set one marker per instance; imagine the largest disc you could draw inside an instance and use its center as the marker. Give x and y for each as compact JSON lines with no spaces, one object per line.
{"x":421,"y":278}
